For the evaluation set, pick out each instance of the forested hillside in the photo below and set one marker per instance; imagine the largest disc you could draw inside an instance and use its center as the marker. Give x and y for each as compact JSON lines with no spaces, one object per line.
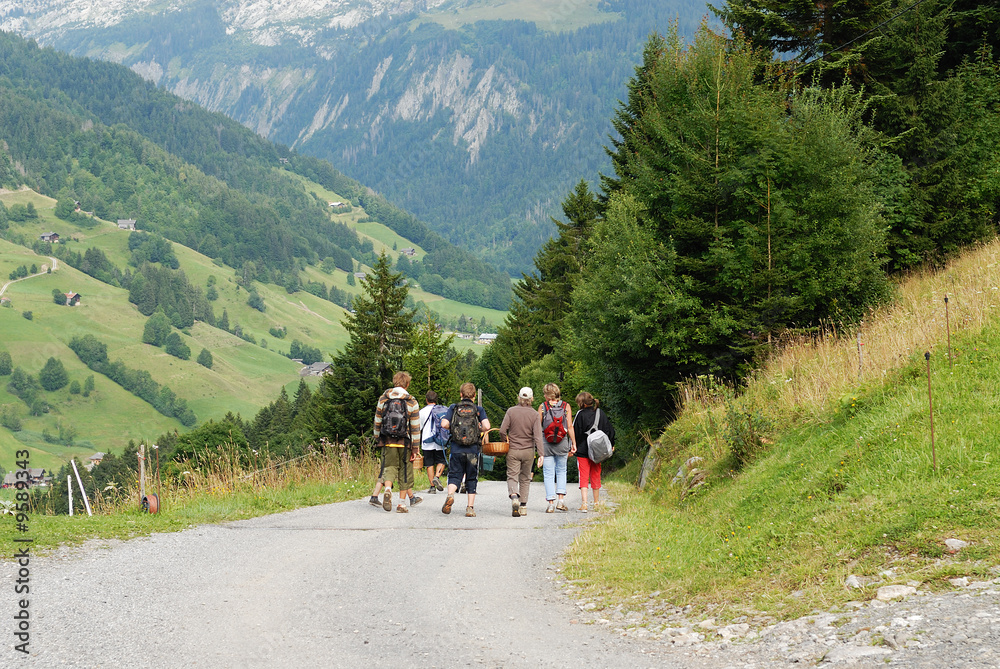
{"x":475,"y":116}
{"x":97,"y":134}
{"x":757,"y":198}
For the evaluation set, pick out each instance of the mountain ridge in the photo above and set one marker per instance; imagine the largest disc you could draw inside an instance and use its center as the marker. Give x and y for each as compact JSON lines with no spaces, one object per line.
{"x":480,"y":130}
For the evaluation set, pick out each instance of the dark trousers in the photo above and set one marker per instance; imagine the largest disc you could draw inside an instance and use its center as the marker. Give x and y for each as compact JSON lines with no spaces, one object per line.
{"x":464,"y":464}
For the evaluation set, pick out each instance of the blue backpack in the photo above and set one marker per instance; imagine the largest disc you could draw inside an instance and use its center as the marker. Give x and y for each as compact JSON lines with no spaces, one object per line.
{"x":439,"y":435}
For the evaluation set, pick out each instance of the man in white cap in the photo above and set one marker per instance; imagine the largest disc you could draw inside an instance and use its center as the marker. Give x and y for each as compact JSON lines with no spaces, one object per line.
{"x":523,"y":429}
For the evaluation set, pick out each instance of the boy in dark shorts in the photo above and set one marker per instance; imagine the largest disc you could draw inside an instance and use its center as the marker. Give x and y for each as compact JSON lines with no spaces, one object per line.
{"x":467,"y":422}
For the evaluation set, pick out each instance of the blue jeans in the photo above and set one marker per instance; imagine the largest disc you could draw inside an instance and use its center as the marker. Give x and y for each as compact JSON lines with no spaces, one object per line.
{"x":554,"y":473}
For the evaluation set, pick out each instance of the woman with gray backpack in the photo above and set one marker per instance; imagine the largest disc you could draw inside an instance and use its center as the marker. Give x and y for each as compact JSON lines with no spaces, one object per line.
{"x":595,"y":437}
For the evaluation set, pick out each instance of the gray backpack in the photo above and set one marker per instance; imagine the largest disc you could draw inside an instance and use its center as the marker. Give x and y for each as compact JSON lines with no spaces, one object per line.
{"x":599,"y":445}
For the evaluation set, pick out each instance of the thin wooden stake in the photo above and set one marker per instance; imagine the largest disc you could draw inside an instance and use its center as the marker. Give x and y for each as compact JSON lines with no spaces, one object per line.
{"x":860,"y":360}
{"x":947,"y":322}
{"x":142,"y":471}
{"x":86,"y":502}
{"x":930,"y":402}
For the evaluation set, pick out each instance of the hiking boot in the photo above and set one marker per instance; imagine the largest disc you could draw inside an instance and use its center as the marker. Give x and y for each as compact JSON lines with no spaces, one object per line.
{"x":515,"y":507}
{"x":448,"y":504}
{"x":415,"y":500}
{"x":552,"y":508}
{"x":401,"y":509}
{"x":437,"y":484}
{"x":462,"y":490}
{"x":523,"y":511}
{"x":583,"y":508}
{"x":373,"y":500}
{"x":561,"y":506}
{"x":432,"y":490}
{"x":470,"y":512}
{"x":387,"y":500}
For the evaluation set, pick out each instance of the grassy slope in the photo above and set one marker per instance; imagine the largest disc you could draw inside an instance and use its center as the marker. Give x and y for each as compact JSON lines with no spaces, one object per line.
{"x":847,"y":485}
{"x":244,"y":377}
{"x":383,"y":239}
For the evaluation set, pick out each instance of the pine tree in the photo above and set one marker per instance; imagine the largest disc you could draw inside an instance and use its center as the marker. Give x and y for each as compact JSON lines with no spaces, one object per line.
{"x":205,"y":358}
{"x":429,"y":363}
{"x":53,"y":375}
{"x":176,"y":347}
{"x":628,"y":114}
{"x":380,"y":330}
{"x":543,"y":298}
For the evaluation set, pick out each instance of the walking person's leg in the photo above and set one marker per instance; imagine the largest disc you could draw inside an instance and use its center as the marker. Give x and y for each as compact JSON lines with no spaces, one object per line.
{"x":513,"y":475}
{"x":595,"y":481}
{"x":471,"y":481}
{"x":390,"y":472}
{"x":429,"y":458}
{"x":560,"y":466}
{"x":456,"y":470}
{"x":549,"y":477}
{"x":584,"y":466}
{"x":373,"y":500}
{"x":524,"y":478}
{"x":439,"y":470}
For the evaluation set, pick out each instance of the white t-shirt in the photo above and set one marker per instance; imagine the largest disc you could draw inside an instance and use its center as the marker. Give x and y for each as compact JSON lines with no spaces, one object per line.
{"x":427,"y":431}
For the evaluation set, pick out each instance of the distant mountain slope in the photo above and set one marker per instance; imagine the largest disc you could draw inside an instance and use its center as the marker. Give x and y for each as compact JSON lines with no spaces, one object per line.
{"x":96,"y":133}
{"x":476,"y":116}
{"x":250,"y":362}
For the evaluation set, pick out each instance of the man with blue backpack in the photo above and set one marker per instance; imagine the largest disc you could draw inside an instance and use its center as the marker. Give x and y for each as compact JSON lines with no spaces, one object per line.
{"x":433,"y":438}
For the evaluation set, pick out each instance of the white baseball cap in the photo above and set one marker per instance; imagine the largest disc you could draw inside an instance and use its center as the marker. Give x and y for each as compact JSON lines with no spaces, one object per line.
{"x":526,"y":393}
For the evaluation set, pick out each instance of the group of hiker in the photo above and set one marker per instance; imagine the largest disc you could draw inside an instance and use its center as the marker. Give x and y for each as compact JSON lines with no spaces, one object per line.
{"x":451,"y":437}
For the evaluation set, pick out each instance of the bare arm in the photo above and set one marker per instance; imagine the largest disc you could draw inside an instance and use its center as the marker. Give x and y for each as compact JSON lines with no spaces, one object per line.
{"x":571,"y":432}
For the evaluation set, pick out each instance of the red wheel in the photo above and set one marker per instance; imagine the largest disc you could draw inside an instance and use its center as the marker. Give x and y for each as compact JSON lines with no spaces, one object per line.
{"x":151,"y":503}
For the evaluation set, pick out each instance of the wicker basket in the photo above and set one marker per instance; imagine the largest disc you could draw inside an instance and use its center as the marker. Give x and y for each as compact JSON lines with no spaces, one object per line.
{"x":494,"y":447}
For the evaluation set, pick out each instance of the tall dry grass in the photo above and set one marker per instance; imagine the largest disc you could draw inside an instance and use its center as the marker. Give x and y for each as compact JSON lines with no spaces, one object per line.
{"x":230,"y":471}
{"x":806,"y":376}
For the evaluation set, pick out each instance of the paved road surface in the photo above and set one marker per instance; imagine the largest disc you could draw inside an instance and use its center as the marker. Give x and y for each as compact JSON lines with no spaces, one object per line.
{"x":349,"y":585}
{"x":341,"y":585}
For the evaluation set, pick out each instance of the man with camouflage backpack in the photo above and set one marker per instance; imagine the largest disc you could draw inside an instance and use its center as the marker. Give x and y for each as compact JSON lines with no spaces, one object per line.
{"x":397,"y":429}
{"x":467,"y":422}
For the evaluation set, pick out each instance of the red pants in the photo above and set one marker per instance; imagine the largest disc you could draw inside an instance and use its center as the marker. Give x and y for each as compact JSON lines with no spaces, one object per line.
{"x":590,"y":471}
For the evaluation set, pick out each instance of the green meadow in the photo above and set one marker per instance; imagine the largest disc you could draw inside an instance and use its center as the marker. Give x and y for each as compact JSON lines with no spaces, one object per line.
{"x":243,"y":378}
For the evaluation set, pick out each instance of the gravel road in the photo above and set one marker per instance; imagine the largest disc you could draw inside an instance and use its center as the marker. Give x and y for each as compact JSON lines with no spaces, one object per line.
{"x":349,"y":585}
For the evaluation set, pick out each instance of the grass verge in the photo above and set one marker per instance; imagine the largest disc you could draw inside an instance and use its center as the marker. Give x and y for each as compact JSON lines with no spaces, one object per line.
{"x":822,"y":467}
{"x":221,"y":492}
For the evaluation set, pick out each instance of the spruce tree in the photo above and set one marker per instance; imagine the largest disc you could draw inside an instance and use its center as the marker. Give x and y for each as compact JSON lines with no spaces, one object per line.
{"x":429,"y":363}
{"x":745,"y":210}
{"x":53,"y":375}
{"x":380,"y":331}
{"x":205,"y":358}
